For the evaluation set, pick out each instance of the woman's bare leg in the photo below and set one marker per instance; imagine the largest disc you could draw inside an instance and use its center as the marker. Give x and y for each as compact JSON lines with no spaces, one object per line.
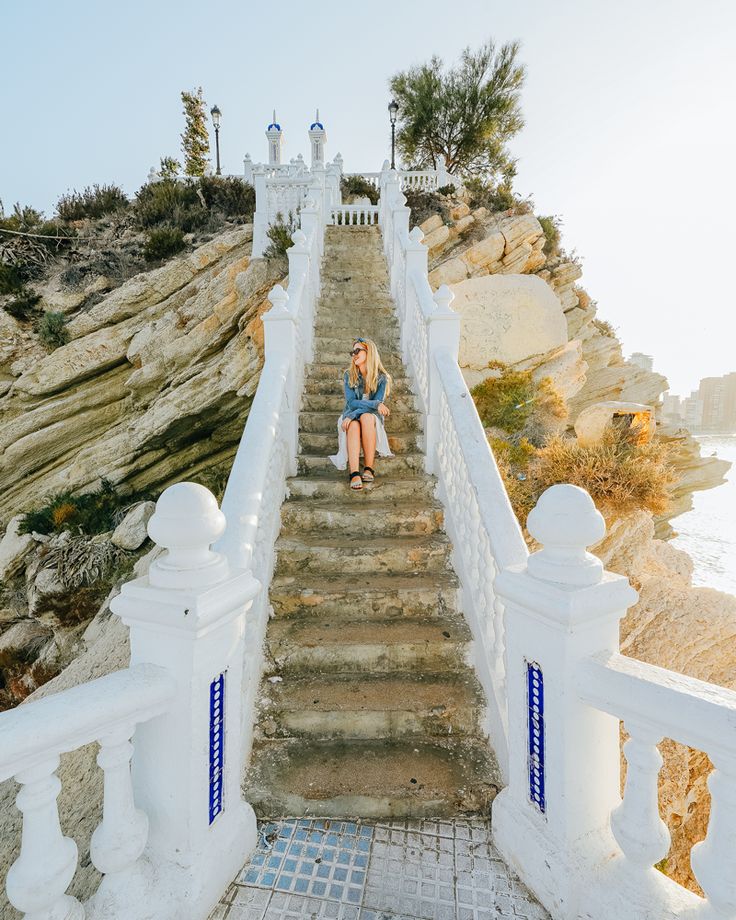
{"x":354,"y":446}
{"x":368,"y":436}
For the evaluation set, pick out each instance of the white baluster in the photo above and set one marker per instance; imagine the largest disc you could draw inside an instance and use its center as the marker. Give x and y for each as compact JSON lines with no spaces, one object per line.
{"x":39,"y":877}
{"x":713,"y":858}
{"x":121,"y":837}
{"x":636,"y":824}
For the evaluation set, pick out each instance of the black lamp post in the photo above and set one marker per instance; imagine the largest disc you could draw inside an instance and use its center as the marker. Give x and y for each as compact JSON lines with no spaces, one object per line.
{"x":216,"y":113}
{"x":393,"y":108}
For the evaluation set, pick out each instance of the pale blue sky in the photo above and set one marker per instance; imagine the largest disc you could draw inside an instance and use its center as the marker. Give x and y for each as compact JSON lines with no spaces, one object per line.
{"x":629,"y":107}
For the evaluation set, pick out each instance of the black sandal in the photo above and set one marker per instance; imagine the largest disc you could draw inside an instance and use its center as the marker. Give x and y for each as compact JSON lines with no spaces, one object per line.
{"x":370,"y":471}
{"x":359,"y":485}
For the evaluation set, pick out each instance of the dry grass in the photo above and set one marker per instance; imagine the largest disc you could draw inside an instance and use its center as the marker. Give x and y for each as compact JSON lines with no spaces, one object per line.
{"x":519,"y":405}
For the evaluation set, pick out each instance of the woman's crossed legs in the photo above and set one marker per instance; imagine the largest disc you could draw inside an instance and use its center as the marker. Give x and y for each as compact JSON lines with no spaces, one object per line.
{"x":362,"y":430}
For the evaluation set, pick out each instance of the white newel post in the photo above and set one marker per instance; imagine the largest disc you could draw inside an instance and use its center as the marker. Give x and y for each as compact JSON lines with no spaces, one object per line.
{"x":248,"y":168}
{"x":279,"y":332}
{"x":416,"y":264}
{"x":260,"y":218}
{"x":188,"y":616}
{"x":551,"y":822}
{"x":39,"y":877}
{"x":713,"y":859}
{"x":443,"y":334}
{"x":443,"y":177}
{"x":400,"y":215}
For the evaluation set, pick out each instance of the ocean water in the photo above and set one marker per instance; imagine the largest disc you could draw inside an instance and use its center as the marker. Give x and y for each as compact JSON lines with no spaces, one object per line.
{"x":708,"y":532}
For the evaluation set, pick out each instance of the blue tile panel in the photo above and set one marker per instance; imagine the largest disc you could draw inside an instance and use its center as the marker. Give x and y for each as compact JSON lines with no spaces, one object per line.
{"x":535,"y":724}
{"x":217,"y":744}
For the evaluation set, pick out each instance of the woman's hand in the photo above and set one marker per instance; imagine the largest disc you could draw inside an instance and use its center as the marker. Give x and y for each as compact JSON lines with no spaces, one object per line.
{"x":345,"y":423}
{"x":383,"y":409}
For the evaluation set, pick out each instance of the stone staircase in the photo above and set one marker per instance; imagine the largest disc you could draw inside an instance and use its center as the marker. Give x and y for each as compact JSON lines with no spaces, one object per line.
{"x":377,"y":711}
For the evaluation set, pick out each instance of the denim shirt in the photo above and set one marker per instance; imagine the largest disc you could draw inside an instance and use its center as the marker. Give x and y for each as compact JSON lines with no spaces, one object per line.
{"x":355,"y":405}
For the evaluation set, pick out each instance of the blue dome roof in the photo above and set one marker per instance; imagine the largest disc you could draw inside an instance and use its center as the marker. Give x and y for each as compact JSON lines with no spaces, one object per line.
{"x":274,"y":125}
{"x":316,"y":124}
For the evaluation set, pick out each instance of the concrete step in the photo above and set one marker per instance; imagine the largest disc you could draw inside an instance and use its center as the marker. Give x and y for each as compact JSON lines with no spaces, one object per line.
{"x":345,"y":324}
{"x":326,"y":423}
{"x":320,"y":646}
{"x":381,"y":490}
{"x":339,"y":355}
{"x":317,"y":442}
{"x":385,"y":518}
{"x":398,"y":467}
{"x":372,"y":779}
{"x":335,"y":402}
{"x":320,"y":375}
{"x":358,"y":554}
{"x":372,"y":706}
{"x":385,"y":342}
{"x":374,"y":596}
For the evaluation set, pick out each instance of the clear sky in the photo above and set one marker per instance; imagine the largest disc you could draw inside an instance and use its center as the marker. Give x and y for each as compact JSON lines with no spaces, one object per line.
{"x":630,"y":122}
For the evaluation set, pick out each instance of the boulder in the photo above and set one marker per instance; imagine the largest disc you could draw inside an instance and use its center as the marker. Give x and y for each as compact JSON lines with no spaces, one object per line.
{"x":459,"y":211}
{"x":449,"y":272}
{"x":14,"y":548}
{"x":506,"y":318}
{"x":464,"y":223}
{"x":131,"y":532}
{"x":564,"y":366}
{"x":592,"y":422}
{"x":437,"y":238}
{"x":22,"y":642}
{"x":431,"y":224}
{"x":485,"y":251}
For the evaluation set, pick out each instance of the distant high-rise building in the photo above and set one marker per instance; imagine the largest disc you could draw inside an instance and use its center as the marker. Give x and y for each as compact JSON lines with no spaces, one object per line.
{"x":672,"y":408}
{"x":645,"y":362}
{"x":718,"y":395}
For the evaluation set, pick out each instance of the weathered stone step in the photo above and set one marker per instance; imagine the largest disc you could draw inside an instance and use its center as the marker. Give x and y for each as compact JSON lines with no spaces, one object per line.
{"x":388,"y":343}
{"x":372,"y":779}
{"x":401,"y":466}
{"x":345,"y":324}
{"x":328,"y":379}
{"x":375,"y":596}
{"x":316,"y":442}
{"x":388,"y":490}
{"x":358,"y":554}
{"x":326,"y":423}
{"x":391,"y":358}
{"x":316,"y":645}
{"x":385,"y":518}
{"x":335,"y":402}
{"x":375,"y":706}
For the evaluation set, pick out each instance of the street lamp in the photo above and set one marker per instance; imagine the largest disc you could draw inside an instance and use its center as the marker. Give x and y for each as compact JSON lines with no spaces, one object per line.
{"x":216,"y":113}
{"x":393,"y":108}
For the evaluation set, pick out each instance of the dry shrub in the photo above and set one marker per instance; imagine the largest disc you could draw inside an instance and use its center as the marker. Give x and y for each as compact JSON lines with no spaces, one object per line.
{"x":519,"y":405}
{"x":621,"y":474}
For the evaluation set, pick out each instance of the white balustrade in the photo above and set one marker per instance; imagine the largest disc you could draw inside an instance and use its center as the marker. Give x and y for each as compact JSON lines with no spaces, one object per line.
{"x":353,"y":215}
{"x":485,"y":533}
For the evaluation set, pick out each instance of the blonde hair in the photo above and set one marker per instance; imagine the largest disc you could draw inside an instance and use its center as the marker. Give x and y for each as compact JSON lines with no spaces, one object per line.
{"x":373,"y":367}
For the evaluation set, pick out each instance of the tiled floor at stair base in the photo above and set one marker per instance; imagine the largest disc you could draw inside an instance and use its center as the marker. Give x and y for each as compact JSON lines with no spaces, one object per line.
{"x":341,"y":870}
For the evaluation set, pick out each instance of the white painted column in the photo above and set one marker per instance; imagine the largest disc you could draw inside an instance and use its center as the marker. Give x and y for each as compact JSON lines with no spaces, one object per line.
{"x":551,"y":822}
{"x":443,"y":334}
{"x":416,"y":263}
{"x":37,"y":880}
{"x":260,"y":218}
{"x":187,"y":615}
{"x":248,"y":169}
{"x":713,"y":858}
{"x":280,"y":347}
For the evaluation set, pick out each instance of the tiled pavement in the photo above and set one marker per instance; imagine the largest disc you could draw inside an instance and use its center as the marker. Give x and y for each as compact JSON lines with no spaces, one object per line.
{"x":342,"y":870}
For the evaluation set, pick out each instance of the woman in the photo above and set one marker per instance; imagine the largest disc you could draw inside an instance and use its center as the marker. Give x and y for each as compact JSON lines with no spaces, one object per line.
{"x":366,"y":384}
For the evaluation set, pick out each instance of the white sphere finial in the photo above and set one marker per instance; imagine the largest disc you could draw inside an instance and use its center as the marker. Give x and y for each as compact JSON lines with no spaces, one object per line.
{"x":187,"y":521}
{"x":443,"y":297}
{"x":566,"y":521}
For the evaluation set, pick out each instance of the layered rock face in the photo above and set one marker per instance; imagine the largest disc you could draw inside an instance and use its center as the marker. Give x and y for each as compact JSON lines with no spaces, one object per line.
{"x":154,"y":384}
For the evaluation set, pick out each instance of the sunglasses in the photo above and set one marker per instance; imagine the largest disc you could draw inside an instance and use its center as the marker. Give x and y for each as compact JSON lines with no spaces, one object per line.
{"x":357,"y":351}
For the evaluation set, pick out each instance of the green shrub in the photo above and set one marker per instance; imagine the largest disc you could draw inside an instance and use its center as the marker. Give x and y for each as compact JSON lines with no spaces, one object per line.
{"x":519,"y":405}
{"x":358,"y":187}
{"x":24,"y":306}
{"x":11,"y":279}
{"x":52,"y":330}
{"x":551,"y":226}
{"x":495,"y":197}
{"x":446,"y":190}
{"x":171,"y":202}
{"x":229,"y":196}
{"x":94,"y":201}
{"x":162,"y":243}
{"x":424,"y":204}
{"x":89,"y":513}
{"x":280,"y":235}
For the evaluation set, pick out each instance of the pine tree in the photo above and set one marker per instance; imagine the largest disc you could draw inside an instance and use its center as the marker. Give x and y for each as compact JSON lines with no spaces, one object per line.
{"x":195,"y":141}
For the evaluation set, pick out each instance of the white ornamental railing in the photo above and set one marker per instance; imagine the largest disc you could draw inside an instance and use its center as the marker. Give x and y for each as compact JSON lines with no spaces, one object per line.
{"x":547,"y":651}
{"x":485,"y":533}
{"x":279,"y":197}
{"x":175,"y":829}
{"x":351,"y":215}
